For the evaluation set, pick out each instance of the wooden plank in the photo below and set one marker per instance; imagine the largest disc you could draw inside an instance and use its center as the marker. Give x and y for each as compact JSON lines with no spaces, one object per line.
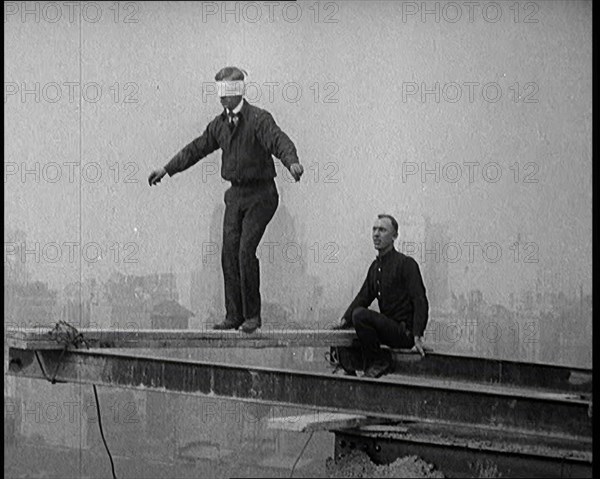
{"x":320,"y":421}
{"x":40,"y":338}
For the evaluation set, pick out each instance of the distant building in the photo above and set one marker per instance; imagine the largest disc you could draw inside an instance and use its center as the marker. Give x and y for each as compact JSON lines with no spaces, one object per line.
{"x":435,"y":268}
{"x":206,"y":287}
{"x":15,"y":265}
{"x":132,"y":298}
{"x":289,"y":293}
{"x":170,"y":314}
{"x":76,"y":303}
{"x":30,"y":304}
{"x":566,"y":332}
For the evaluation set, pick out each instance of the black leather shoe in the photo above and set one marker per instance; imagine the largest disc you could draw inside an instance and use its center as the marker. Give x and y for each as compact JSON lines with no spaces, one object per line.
{"x":228,"y":324}
{"x":251,"y":325}
{"x":333,"y":359}
{"x":377,"y":369}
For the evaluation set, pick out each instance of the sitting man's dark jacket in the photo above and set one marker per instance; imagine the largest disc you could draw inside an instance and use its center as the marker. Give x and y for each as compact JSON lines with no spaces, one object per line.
{"x":395,"y":280}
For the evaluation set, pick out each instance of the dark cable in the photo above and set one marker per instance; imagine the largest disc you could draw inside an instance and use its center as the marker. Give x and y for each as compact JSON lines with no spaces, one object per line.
{"x":72,"y":337}
{"x":52,"y":380}
{"x":301,"y":452}
{"x":112,"y":464}
{"x":62,"y":353}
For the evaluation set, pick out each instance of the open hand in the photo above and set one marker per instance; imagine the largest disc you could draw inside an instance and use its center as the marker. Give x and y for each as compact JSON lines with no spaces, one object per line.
{"x":342,"y":324}
{"x":156,"y":176}
{"x":418,"y":347}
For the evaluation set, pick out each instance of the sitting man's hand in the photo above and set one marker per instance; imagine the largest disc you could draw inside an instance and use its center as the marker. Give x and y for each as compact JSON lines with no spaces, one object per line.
{"x":342,"y":324}
{"x":296,"y":170}
{"x":156,"y":176}
{"x":418,"y":347}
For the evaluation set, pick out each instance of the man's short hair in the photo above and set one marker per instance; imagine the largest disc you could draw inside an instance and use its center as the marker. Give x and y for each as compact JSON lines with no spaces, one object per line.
{"x":392,"y":220}
{"x":230,"y":73}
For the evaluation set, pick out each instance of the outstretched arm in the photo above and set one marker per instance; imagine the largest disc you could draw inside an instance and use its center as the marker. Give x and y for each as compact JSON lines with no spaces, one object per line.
{"x":202,"y":146}
{"x":275,"y":141}
{"x":187,"y":157}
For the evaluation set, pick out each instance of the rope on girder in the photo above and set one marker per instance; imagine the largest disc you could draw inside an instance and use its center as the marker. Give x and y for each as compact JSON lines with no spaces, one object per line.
{"x":68,"y":335}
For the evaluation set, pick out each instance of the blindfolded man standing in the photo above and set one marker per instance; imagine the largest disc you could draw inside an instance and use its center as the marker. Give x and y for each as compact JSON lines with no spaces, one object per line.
{"x":248,"y":137}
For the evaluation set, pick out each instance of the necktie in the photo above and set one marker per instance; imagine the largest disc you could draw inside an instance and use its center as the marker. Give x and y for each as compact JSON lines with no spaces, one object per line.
{"x":233,"y":120}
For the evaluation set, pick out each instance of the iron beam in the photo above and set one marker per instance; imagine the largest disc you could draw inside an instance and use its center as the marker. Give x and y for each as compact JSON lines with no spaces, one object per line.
{"x":437,"y":365}
{"x":484,"y":370}
{"x":463,"y":451}
{"x":397,"y":397}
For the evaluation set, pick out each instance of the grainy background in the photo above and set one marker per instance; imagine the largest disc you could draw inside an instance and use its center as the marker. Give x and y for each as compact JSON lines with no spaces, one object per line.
{"x":392,"y":109}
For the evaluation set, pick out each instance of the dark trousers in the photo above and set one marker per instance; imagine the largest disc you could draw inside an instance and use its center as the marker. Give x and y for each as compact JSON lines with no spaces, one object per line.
{"x":374,"y":329}
{"x":248,"y":210}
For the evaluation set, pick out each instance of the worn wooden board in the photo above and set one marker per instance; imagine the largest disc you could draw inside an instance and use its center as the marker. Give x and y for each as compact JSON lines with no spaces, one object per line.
{"x":40,"y":338}
{"x":320,"y":421}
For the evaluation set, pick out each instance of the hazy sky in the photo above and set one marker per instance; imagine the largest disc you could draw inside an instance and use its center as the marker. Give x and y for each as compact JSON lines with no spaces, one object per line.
{"x":347,"y":81}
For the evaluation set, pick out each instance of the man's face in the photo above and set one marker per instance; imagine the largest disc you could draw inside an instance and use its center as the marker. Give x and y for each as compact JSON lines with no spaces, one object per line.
{"x":383,"y":234}
{"x":230,"y":102}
